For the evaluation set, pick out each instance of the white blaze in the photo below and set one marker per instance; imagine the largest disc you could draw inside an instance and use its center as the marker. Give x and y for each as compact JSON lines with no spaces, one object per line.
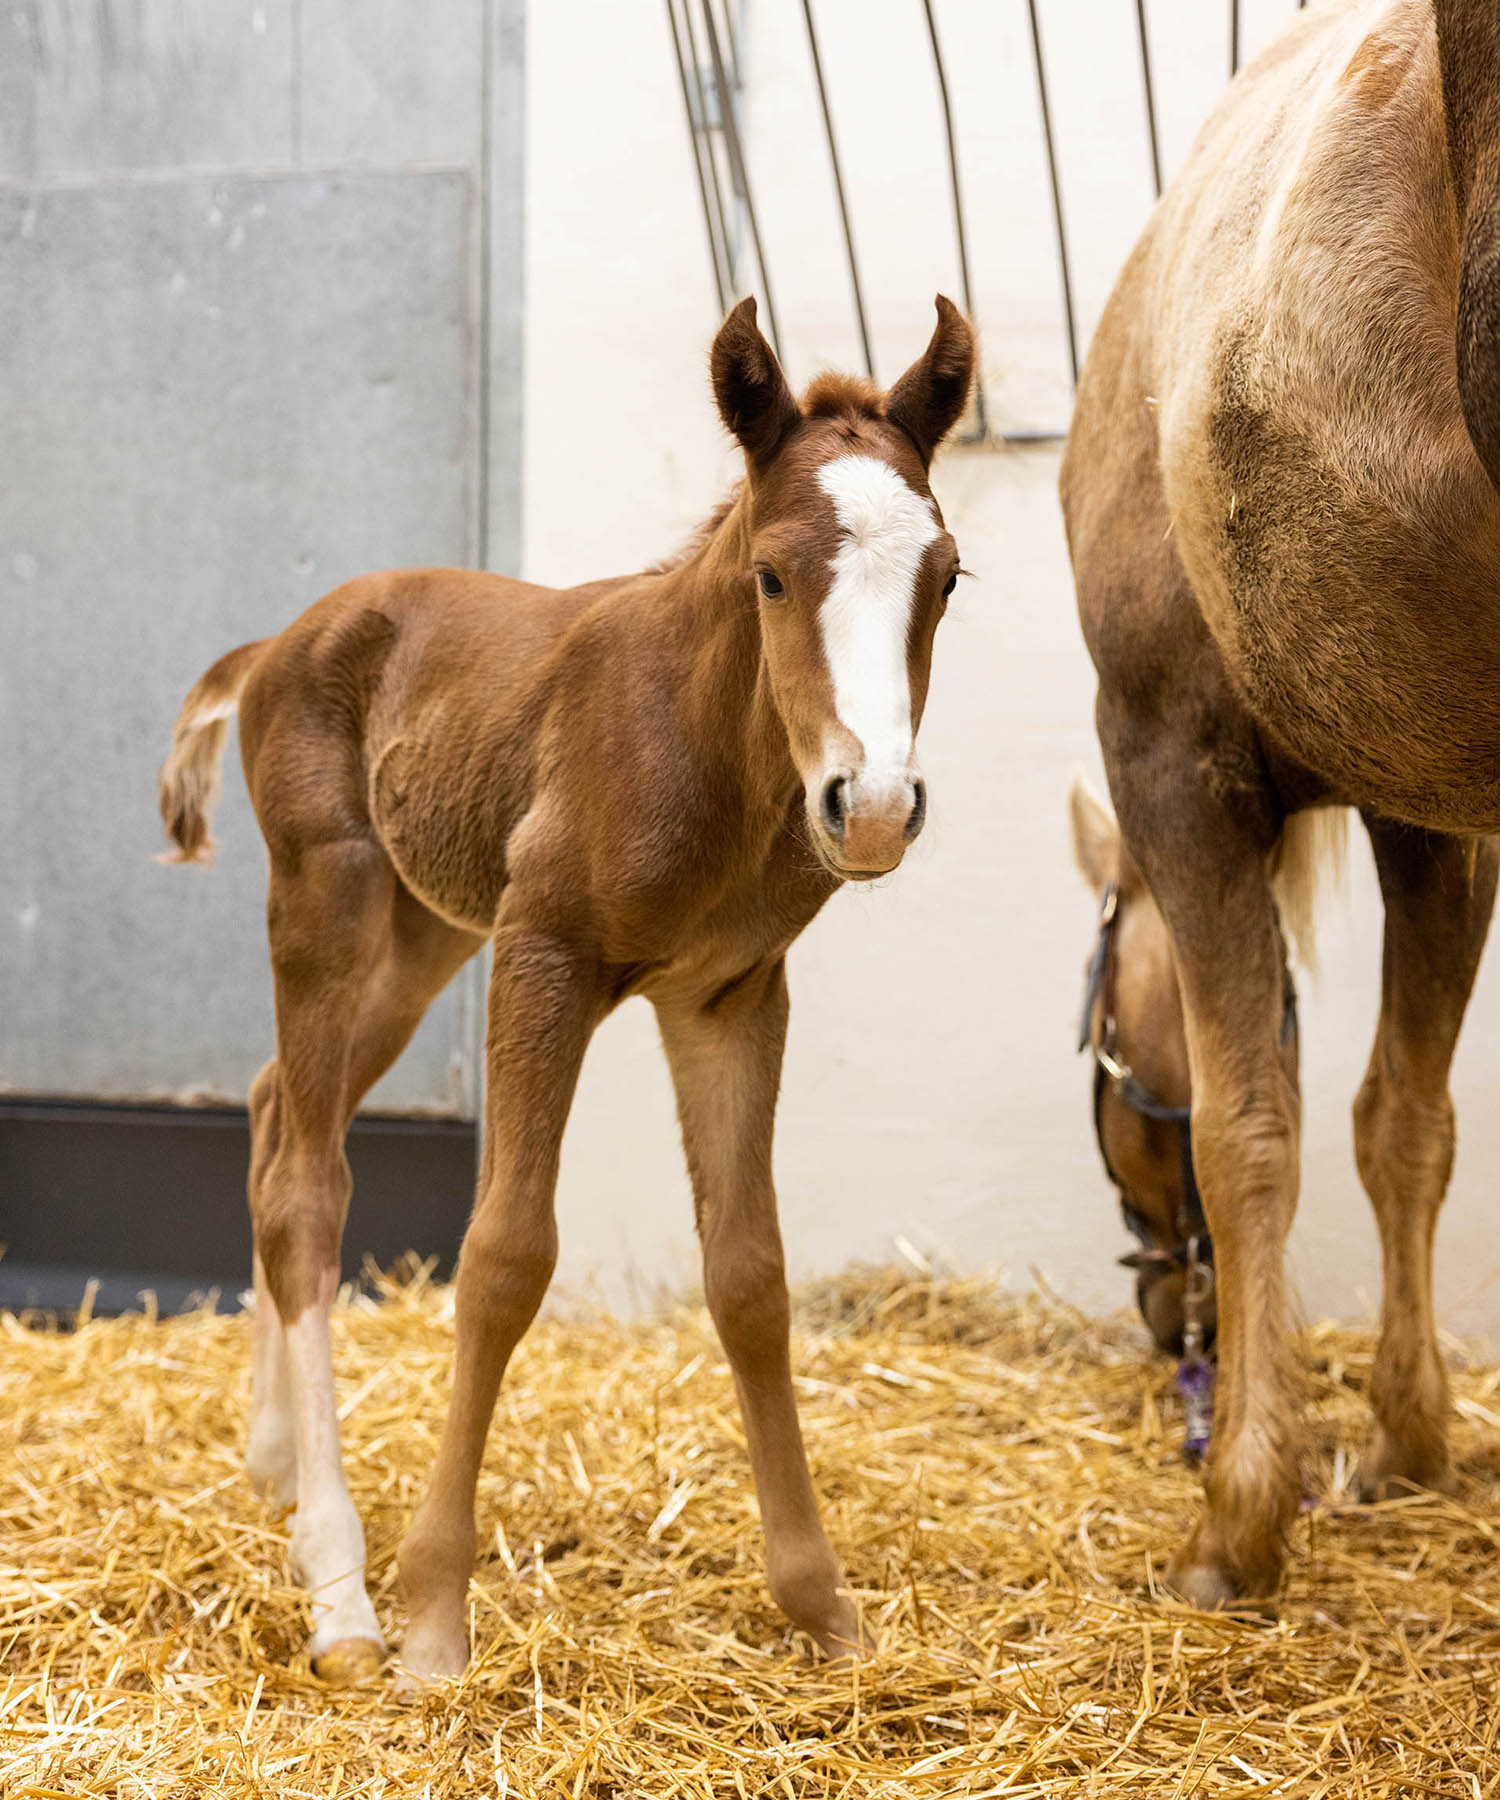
{"x":866,"y":615}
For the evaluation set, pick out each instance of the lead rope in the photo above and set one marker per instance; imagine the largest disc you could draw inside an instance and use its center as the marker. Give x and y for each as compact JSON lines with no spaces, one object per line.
{"x":1195,"y":1373}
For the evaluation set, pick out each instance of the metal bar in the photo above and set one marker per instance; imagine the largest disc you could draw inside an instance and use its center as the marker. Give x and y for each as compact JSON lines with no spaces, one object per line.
{"x":730,"y":127}
{"x":1057,"y":208}
{"x":1234,"y":38}
{"x":704,"y":86}
{"x":732,"y":40}
{"x":838,"y":188}
{"x":958,"y":202}
{"x":695,"y":137}
{"x":1140,"y":26}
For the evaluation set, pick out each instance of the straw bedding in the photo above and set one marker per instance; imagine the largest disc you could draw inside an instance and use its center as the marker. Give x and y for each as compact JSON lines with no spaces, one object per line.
{"x":1000,"y":1474}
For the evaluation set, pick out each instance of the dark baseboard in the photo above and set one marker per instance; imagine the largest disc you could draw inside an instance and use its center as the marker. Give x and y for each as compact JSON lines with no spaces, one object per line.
{"x":140,"y":1197}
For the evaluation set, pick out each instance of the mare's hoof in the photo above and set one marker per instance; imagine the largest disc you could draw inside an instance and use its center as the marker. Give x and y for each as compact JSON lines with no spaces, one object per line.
{"x":1384,"y":1473}
{"x":1211,"y":1587}
{"x":348,"y":1661}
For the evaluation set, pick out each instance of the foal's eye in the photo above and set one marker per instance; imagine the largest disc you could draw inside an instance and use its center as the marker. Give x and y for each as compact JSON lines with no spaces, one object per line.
{"x":950,"y":584}
{"x":770,"y":586}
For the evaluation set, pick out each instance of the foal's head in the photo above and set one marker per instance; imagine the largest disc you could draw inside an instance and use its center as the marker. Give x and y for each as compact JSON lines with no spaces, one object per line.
{"x":851,"y":568}
{"x":1135,"y":1020}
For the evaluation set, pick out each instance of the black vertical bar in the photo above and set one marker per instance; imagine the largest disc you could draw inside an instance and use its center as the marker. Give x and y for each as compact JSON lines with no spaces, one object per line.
{"x":737,"y":165}
{"x":1140,"y":26}
{"x":1234,"y":38}
{"x":957,"y":191}
{"x":698,"y":151}
{"x":1057,"y":208}
{"x":838,"y":188}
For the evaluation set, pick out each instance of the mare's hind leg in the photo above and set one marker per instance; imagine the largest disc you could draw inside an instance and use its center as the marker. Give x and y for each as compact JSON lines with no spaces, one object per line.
{"x":356,"y":962}
{"x":1439,"y":893}
{"x":1201,"y":827}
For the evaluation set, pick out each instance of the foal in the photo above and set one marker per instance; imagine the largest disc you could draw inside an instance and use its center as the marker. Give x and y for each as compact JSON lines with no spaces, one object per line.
{"x":646,"y":785}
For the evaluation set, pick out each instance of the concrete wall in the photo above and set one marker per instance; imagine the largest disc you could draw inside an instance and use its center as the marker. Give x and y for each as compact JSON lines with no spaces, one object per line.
{"x":259,"y":282}
{"x":931,"y":1088}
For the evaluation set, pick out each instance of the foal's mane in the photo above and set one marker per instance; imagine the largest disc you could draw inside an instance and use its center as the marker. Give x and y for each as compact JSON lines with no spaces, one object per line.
{"x":833,"y":395}
{"x":700,"y":535}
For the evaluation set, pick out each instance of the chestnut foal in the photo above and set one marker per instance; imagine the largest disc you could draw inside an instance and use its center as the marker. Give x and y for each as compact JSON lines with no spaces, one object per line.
{"x":1281,"y":497}
{"x":646,"y":785}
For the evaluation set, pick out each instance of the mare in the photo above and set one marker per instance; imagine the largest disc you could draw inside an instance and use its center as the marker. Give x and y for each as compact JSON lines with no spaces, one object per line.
{"x":1282,"y":495}
{"x":645,"y":785}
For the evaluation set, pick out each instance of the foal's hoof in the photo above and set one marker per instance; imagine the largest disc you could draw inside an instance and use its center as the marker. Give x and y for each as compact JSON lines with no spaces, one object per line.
{"x":843,"y":1638}
{"x":431,"y":1654}
{"x":349,"y":1661}
{"x":271,"y":1464}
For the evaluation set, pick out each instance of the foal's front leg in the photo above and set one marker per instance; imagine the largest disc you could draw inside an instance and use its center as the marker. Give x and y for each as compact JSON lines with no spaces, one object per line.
{"x":726,"y":1067}
{"x":543,"y":1006}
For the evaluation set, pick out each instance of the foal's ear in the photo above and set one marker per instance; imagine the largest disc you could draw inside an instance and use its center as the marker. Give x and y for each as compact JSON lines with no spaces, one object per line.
{"x":754,"y":399}
{"x":1096,"y":837}
{"x":929,"y":399}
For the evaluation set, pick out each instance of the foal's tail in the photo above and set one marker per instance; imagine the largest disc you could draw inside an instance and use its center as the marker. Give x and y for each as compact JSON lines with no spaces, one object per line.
{"x":188,"y":786}
{"x":1311,"y":842}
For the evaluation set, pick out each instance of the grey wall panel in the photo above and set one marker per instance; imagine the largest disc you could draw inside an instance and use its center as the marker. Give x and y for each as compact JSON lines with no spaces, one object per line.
{"x":220,"y":398}
{"x":388,"y":82}
{"x":505,"y":249}
{"x":132,"y":84}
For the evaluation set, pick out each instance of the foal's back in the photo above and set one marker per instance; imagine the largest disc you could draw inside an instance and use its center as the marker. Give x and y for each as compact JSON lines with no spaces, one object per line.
{"x":1273,"y":389}
{"x":408,"y":706}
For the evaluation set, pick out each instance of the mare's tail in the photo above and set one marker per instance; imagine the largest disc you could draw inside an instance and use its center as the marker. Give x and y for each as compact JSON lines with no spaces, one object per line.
{"x":188,"y":786}
{"x":1310,"y":842}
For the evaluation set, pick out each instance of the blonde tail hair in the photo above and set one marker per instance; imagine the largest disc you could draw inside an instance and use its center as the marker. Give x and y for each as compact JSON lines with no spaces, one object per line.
{"x":188,"y":785}
{"x":1311,"y":842}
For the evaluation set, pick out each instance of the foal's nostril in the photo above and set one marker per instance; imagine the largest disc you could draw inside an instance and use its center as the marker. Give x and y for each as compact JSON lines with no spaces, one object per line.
{"x":918,"y":816}
{"x":833,"y":804}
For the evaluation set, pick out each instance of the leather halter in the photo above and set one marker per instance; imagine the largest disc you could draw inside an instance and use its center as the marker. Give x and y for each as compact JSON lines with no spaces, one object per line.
{"x":1193,"y":1243}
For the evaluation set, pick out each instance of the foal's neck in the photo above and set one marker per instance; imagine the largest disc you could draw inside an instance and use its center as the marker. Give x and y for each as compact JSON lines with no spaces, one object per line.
{"x":712,"y":599}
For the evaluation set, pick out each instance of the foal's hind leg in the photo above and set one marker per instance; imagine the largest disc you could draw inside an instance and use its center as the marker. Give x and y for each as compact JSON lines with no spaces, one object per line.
{"x":356,"y":962}
{"x":726,"y":1067}
{"x":1439,"y":893}
{"x":271,"y":1454}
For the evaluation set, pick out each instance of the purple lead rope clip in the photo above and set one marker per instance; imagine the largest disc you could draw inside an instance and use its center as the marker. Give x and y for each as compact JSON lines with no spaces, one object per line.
{"x":1195,"y":1373}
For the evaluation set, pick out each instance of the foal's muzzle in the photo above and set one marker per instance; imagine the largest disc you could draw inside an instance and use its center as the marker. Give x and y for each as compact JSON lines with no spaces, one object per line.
{"x":1159,"y":1293}
{"x":863,"y":828}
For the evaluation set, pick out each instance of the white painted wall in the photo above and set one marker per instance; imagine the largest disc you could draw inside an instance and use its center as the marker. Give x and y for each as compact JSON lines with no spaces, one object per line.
{"x":931,"y":1087}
